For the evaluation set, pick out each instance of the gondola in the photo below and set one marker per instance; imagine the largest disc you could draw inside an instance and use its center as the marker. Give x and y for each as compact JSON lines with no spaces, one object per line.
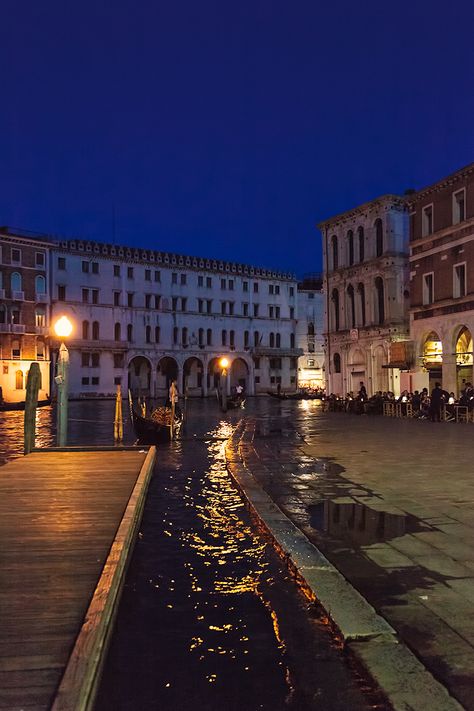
{"x":233,"y":402}
{"x":15,"y":406}
{"x":294,"y":396}
{"x":149,"y":431}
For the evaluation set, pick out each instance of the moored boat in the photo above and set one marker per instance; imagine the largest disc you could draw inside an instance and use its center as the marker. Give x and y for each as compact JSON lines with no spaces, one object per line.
{"x":157,"y":428}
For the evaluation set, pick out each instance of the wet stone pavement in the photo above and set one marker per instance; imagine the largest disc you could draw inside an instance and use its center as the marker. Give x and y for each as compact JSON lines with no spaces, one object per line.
{"x":391,"y":504}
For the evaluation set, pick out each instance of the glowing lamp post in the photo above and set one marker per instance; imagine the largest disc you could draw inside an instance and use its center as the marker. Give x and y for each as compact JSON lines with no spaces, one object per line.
{"x":63,"y":329}
{"x":224,"y":364}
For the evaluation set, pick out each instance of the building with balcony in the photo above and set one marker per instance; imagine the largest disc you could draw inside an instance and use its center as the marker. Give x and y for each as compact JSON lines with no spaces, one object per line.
{"x":365,"y":253}
{"x":310,"y":332}
{"x":143,"y":317}
{"x":24,"y":313}
{"x":442,"y":281}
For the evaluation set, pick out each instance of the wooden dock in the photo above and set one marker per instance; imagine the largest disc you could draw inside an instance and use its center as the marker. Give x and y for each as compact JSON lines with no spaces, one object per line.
{"x":68,"y":521}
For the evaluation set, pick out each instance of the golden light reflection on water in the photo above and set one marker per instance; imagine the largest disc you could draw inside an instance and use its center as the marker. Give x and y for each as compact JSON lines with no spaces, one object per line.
{"x":11,"y":432}
{"x":225,"y":539}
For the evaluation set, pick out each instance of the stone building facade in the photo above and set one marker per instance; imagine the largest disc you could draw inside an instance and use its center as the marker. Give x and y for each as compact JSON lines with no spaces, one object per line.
{"x":442,"y":281}
{"x":365,"y":253}
{"x":24,"y":313}
{"x":142,"y":317}
{"x":310,"y":333}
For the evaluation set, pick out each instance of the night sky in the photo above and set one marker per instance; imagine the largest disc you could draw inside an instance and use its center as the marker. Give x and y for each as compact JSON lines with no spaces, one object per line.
{"x":226,"y":129}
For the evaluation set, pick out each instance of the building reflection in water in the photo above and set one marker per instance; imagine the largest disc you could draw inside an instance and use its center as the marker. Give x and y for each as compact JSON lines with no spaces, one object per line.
{"x":356,"y":522}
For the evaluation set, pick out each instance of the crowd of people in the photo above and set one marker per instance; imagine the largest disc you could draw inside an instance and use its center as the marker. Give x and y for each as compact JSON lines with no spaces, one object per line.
{"x":434,"y":406}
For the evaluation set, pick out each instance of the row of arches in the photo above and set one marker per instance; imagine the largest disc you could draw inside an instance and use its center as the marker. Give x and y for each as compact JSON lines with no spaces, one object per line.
{"x":193,"y":377}
{"x":356,"y":305}
{"x":354,"y":246}
{"x":434,"y":359}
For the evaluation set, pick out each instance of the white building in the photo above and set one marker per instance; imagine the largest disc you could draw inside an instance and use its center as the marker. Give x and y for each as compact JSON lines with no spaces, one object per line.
{"x":365,"y":254}
{"x":310,"y":333}
{"x":142,"y":317}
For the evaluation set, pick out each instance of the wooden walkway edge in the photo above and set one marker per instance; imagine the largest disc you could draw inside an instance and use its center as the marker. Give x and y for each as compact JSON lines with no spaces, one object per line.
{"x":69,"y":519}
{"x":79,"y":685}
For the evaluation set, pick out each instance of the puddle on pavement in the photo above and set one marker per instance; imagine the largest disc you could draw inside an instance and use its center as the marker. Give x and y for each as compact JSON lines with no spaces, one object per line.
{"x":360,"y":524}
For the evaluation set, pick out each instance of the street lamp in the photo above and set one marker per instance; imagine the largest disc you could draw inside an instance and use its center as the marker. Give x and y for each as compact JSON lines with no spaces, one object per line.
{"x":63,"y":329}
{"x":224,"y":363}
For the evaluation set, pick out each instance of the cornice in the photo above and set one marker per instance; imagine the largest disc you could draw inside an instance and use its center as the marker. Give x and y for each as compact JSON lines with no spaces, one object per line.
{"x":441,"y":184}
{"x":384,"y":201}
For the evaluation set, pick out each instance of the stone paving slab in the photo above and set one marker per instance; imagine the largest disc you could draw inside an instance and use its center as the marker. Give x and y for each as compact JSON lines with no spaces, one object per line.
{"x":420,"y":580}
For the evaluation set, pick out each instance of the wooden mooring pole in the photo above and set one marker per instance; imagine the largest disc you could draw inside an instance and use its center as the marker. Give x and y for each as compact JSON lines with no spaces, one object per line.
{"x":33,"y":383}
{"x":118,"y":421}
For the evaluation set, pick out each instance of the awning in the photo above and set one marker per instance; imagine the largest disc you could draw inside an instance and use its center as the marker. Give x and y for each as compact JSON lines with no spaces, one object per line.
{"x":400,"y":366}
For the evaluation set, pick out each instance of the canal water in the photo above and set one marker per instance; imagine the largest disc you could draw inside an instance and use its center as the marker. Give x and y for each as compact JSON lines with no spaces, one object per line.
{"x":210,"y":618}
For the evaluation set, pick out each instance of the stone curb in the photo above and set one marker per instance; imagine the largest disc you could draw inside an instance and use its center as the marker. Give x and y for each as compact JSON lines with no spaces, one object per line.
{"x":405,"y":681}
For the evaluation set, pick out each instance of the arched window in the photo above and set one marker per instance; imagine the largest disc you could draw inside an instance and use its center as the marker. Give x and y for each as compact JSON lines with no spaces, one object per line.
{"x":278,"y":340}
{"x":184,"y":336}
{"x":379,"y":301}
{"x":85,"y":330}
{"x":350,"y":247}
{"x":40,"y":349}
{"x":209,"y":337}
{"x":378,"y":237}
{"x":361,"y":293}
{"x":335,"y":252}
{"x":246,"y":339}
{"x":224,"y":338}
{"x":157,"y":334}
{"x":175,"y":335}
{"x":361,"y":236}
{"x":19,"y":380}
{"x":256,"y":339}
{"x":310,"y":329}
{"x":292,"y":340}
{"x":16,"y":349}
{"x":15,"y":281}
{"x":130,"y":332}
{"x":335,"y":306}
{"x":95,"y":330}
{"x":201,"y":336}
{"x":3,"y":313}
{"x":351,"y":300}
{"x":40,"y":317}
{"x":40,"y":284}
{"x":148,"y":334}
{"x":272,"y":340}
{"x":232,"y":339}
{"x":117,"y":332}
{"x":337,"y":363}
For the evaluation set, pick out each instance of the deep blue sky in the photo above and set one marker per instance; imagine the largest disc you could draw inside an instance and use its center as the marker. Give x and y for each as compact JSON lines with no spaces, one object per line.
{"x":226,"y":128}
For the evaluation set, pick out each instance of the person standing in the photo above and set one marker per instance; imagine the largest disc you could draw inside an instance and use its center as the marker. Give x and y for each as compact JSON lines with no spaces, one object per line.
{"x":436,"y":402}
{"x":174,"y":397}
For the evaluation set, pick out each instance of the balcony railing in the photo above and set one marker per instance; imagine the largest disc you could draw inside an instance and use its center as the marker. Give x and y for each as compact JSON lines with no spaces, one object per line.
{"x":18,"y":328}
{"x":2,"y":293}
{"x":41,"y":298}
{"x":5,"y":328}
{"x":18,"y":295}
{"x":42,"y":330}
